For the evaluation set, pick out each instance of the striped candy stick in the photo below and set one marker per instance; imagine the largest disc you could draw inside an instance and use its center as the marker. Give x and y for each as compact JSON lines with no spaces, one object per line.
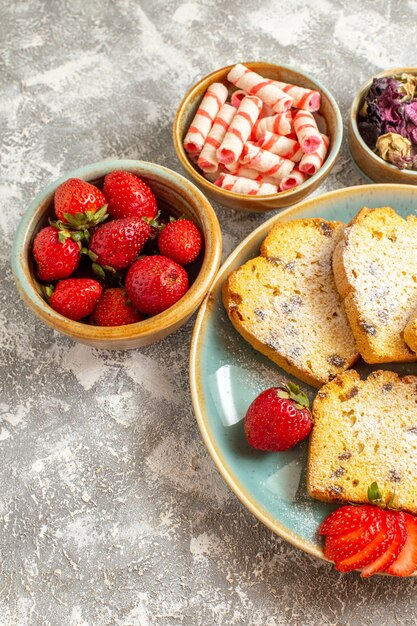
{"x":237,"y":97}
{"x":279,"y":124}
{"x":208,"y":161}
{"x":311,"y":163}
{"x":307,"y":99}
{"x":239,"y":130}
{"x":293,"y":180}
{"x":307,"y":132}
{"x":240,"y":170}
{"x":282,"y":146}
{"x":266,"y":162}
{"x":213,"y":100}
{"x":256,"y":85}
{"x":239,"y":184}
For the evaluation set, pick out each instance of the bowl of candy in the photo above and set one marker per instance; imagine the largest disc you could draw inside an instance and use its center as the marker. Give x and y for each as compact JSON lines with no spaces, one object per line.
{"x":117,"y":254}
{"x":258,"y":136}
{"x":382,"y":132}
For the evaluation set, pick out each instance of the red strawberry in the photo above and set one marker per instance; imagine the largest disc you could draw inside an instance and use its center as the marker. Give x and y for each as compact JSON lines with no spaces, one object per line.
{"x":114,"y":309}
{"x":342,"y":546}
{"x":406,"y":562}
{"x":339,"y":547}
{"x":392,"y":552}
{"x":128,"y":196}
{"x":349,"y":530}
{"x":278,"y":419}
{"x":374,"y":549}
{"x":56,"y":254}
{"x":180,"y":241}
{"x":371,"y":539}
{"x":154,"y":283}
{"x":76,"y":196}
{"x":116,"y":244}
{"x":76,"y":298}
{"x":346,"y":518}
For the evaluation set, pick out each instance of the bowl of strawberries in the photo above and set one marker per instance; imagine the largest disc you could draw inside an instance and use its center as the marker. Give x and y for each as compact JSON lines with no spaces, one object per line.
{"x":117,"y":254}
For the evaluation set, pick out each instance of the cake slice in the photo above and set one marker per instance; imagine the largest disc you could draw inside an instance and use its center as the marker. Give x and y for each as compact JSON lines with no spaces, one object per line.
{"x":286,"y":305}
{"x":365,"y":431}
{"x":375,"y":268}
{"x":410,"y":332}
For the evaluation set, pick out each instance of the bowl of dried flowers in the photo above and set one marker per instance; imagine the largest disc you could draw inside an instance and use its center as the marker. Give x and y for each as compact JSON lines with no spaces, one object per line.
{"x":383,"y":127}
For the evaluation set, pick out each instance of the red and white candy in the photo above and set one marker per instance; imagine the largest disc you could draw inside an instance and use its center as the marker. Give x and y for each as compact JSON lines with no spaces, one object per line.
{"x":213,"y":100}
{"x":293,"y":180}
{"x":308,"y":134}
{"x":311,"y":163}
{"x":246,"y":172}
{"x":264,"y":140}
{"x":237,"y":97}
{"x":208,"y":161}
{"x":302,"y":98}
{"x":279,"y":124}
{"x":283,"y":146}
{"x":238,"y":184}
{"x":239,"y":130}
{"x":266,"y":162}
{"x":256,"y":85}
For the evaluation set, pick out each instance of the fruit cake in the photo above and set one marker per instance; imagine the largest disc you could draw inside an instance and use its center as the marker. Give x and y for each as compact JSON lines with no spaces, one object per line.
{"x":410,"y":332}
{"x":365,"y":431}
{"x":286,"y":305}
{"x":375,"y":268}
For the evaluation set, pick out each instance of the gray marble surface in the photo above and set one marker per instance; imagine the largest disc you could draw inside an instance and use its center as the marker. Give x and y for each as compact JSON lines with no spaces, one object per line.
{"x":111,"y":510}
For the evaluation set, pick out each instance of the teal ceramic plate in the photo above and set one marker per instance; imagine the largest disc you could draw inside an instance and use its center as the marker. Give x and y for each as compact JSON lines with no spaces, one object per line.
{"x":227,"y":374}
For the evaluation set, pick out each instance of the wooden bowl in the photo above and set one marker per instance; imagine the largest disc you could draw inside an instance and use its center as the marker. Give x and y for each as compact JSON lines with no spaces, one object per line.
{"x":371,"y":166}
{"x":172,"y":191}
{"x":328,"y":110}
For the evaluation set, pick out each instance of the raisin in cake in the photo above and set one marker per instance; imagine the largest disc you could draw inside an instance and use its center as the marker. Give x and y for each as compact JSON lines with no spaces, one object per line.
{"x":286,"y":305}
{"x":375,"y":268}
{"x":365,"y":431}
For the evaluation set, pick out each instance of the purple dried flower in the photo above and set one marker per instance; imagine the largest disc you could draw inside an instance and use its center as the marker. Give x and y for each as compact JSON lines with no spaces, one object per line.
{"x":370,"y":132}
{"x":411,"y":112}
{"x":382,"y":85}
{"x":386,"y":111}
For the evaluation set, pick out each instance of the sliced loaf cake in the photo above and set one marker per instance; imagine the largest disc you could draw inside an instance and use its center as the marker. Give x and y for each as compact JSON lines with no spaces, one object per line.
{"x":410,"y":332}
{"x":375,"y":268}
{"x":365,"y":431}
{"x":286,"y":305}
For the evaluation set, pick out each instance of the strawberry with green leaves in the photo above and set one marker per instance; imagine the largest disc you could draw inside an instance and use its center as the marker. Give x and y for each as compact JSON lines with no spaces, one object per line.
{"x":56,"y":254}
{"x":278,"y":419}
{"x":115,"y":309}
{"x":154,"y":283}
{"x":78,"y":200}
{"x":128,"y":196}
{"x":75,"y":298}
{"x":116,"y":244}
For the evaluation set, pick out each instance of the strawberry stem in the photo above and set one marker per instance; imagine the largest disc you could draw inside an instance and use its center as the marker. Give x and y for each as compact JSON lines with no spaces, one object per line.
{"x":48,"y":291}
{"x":291,"y":391}
{"x":375,"y":497}
{"x":98,"y":270}
{"x":374,"y":493}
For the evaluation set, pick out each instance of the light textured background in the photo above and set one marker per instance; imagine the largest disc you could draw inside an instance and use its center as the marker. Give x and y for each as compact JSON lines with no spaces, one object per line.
{"x":111,"y":511}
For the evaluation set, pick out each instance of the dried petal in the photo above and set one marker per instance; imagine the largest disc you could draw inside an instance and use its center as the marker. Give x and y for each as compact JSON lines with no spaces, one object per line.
{"x":392,"y":147}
